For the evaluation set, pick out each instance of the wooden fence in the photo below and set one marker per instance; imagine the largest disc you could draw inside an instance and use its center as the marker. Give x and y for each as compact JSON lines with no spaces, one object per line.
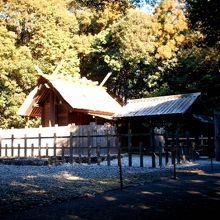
{"x":64,"y":142}
{"x":96,"y":142}
{"x":164,"y":148}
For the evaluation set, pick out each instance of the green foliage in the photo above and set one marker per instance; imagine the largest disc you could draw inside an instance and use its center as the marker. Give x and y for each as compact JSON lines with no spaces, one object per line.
{"x":204,"y":15}
{"x":199,"y":61}
{"x":16,"y":78}
{"x":139,"y":48}
{"x":149,"y":54}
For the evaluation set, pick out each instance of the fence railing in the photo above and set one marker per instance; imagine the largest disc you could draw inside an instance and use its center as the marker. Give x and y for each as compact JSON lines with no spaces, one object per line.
{"x":64,"y":142}
{"x":94,"y":143}
{"x":165,"y":149}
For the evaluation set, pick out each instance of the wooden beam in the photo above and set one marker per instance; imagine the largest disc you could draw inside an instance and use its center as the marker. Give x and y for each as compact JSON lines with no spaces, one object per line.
{"x":217,"y":135}
{"x":52,"y":110}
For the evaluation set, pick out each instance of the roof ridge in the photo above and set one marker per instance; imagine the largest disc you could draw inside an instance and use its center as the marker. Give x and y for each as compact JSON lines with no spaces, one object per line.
{"x":72,"y":80}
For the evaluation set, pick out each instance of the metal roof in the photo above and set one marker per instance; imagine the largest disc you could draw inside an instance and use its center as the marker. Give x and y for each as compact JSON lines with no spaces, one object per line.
{"x":163,"y":105}
{"x":79,"y":96}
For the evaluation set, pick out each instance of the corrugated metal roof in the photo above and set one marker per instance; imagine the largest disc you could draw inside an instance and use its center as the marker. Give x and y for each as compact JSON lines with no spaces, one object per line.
{"x":79,"y":95}
{"x":163,"y":105}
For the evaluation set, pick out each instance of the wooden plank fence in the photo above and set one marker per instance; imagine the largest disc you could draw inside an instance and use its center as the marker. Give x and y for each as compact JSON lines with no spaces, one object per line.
{"x":165,"y":149}
{"x":60,"y":142}
{"x":86,"y":143}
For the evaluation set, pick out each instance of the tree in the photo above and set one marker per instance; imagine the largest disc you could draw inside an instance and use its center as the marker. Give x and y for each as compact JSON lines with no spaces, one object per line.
{"x":139,"y":48}
{"x":199,"y":61}
{"x":204,"y":15}
{"x":47,"y":28}
{"x":16,"y":78}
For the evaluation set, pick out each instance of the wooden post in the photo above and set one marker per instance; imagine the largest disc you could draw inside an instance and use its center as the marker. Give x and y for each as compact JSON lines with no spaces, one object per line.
{"x":55,"y":147}
{"x":177,"y":148}
{"x":160,"y":155}
{"x":172,"y":148}
{"x":174,"y":162}
{"x":63,"y":149}
{"x":129,"y":148}
{"x":6,"y":150}
{"x":141,"y":154}
{"x":120,"y":168}
{"x":39,"y":145}
{"x":0,"y":145}
{"x":166,"y":151}
{"x":52,"y":109}
{"x":80,"y":155}
{"x":89,"y":154}
{"x":98,"y":154}
{"x":196,"y":155}
{"x":89,"y":148}
{"x":210,"y":147}
{"x":32,"y":150}
{"x":19,"y":148}
{"x":108,"y":150}
{"x":25,"y":145}
{"x":153,"y":149}
{"x":187,"y":145}
{"x":71,"y":147}
{"x":12,"y":145}
{"x":47,"y":146}
{"x":217,"y":135}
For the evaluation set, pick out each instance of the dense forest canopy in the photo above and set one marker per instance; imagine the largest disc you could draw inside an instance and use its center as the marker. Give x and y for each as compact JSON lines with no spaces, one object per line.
{"x":174,"y":49}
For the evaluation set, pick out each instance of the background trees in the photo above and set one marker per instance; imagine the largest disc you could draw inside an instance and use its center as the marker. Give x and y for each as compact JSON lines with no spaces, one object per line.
{"x":198,"y":62}
{"x":173,"y":49}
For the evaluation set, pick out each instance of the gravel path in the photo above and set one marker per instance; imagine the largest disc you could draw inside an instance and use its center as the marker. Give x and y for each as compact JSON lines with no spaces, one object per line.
{"x":24,"y":187}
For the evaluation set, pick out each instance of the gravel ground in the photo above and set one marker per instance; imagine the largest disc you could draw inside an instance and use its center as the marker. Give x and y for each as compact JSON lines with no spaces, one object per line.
{"x":24,"y":187}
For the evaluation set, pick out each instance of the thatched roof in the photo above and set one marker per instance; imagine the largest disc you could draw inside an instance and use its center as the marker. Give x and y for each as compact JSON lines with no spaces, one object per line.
{"x":78,"y":94}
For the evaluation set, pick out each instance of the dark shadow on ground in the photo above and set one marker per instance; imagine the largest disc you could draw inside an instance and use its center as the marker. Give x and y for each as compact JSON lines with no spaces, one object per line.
{"x":193,"y":194}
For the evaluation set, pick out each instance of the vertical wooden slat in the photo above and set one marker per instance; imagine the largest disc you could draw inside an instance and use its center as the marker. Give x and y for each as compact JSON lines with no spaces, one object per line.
{"x":79,"y":147}
{"x":191,"y":149}
{"x":129,"y":148}
{"x":55,"y":147}
{"x":120,"y":168}
{"x":19,"y":149}
{"x":210,"y":147}
{"x":80,"y":154}
{"x":186,"y":157}
{"x":52,"y":109}
{"x":166,"y":150}
{"x":160,"y":155}
{"x":89,"y":148}
{"x":196,"y":147}
{"x":89,"y":154}
{"x":0,"y":145}
{"x":174,"y":162}
{"x":172,"y":148}
{"x":25,"y":145}
{"x":108,"y":150}
{"x":32,"y":150}
{"x":12,"y":145}
{"x":71,"y":147}
{"x":62,"y":157}
{"x":141,"y":154}
{"x":6,"y":150}
{"x":47,"y":146}
{"x":217,"y":135}
{"x":98,"y":154}
{"x":153,"y":149}
{"x":177,"y":148}
{"x":39,"y":145}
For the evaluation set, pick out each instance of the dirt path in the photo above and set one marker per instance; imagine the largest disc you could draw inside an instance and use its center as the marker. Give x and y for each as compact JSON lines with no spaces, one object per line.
{"x":194,"y":193}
